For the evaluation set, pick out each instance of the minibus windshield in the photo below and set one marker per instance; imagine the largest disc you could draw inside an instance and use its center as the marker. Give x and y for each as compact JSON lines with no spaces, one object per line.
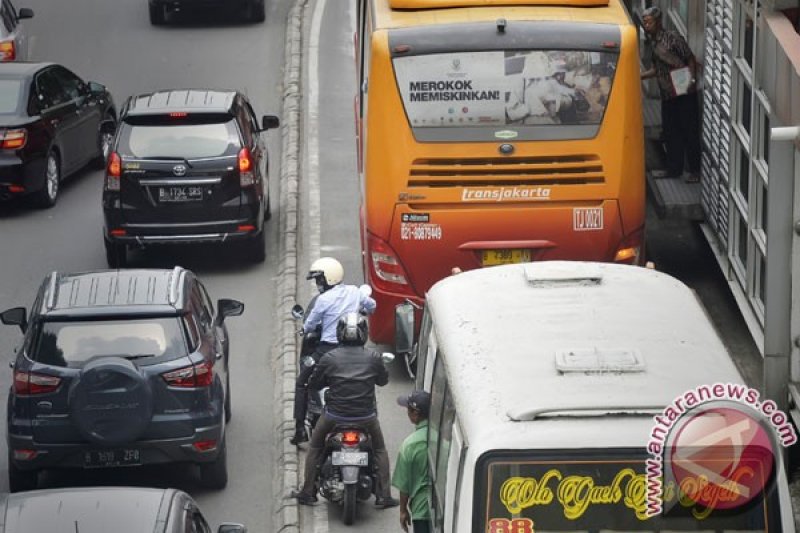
{"x":596,"y":491}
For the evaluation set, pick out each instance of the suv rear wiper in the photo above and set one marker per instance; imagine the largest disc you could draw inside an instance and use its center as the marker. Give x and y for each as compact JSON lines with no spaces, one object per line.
{"x":139,"y":356}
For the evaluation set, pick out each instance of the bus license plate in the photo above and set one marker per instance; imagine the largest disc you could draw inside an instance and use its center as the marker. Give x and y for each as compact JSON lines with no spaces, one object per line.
{"x":180,"y":194}
{"x":504,"y":257}
{"x":112,"y":458}
{"x":349,"y":458}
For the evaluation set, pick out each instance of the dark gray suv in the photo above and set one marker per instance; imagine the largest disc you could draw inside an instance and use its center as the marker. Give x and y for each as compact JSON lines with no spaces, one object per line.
{"x":120,"y":368}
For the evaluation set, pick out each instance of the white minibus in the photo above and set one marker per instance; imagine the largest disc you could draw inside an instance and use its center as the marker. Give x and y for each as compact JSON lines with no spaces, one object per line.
{"x":553,"y":388}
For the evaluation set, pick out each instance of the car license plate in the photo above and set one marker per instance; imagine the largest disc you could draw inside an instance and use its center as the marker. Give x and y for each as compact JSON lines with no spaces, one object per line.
{"x":180,"y":194}
{"x":504,"y":257}
{"x":349,"y":458}
{"x":112,"y":458}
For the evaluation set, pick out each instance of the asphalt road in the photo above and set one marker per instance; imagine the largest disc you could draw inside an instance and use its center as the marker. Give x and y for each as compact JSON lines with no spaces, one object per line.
{"x":112,"y":42}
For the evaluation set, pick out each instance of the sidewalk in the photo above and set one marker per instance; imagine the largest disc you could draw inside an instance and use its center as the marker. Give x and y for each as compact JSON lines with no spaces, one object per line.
{"x":671,"y":197}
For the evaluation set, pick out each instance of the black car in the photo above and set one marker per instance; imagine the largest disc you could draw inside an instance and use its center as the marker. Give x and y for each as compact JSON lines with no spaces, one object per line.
{"x":52,"y":123}
{"x":254,"y":10}
{"x":105,"y":509}
{"x":120,"y":368}
{"x":187,"y":166}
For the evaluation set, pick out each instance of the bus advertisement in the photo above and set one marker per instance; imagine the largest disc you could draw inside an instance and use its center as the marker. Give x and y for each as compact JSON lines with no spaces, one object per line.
{"x":492,"y":134}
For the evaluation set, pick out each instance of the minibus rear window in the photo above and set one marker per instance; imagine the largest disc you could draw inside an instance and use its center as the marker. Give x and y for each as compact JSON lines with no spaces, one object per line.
{"x":600,"y":491}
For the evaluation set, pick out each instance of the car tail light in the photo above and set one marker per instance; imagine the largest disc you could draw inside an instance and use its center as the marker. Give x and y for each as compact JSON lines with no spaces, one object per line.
{"x":25,"y":455}
{"x":13,"y":139}
{"x":8,"y":50}
{"x":199,"y":375}
{"x":179,"y":114}
{"x":385,"y":264}
{"x":31,"y":383}
{"x":205,"y":445}
{"x":630,"y":249}
{"x":246,"y":176}
{"x":113,"y":172}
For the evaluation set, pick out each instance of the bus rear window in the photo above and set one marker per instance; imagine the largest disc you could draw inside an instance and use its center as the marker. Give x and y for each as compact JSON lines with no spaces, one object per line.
{"x":519,"y":89}
{"x":595,"y":491}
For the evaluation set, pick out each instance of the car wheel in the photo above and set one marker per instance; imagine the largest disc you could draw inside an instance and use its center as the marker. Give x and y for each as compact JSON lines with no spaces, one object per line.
{"x":48,"y":194}
{"x":157,"y":17}
{"x":116,"y":255}
{"x":21,"y":480}
{"x":214,"y":475}
{"x":105,"y":139}
{"x":256,"y":11}
{"x":228,"y":410}
{"x":257,"y":248}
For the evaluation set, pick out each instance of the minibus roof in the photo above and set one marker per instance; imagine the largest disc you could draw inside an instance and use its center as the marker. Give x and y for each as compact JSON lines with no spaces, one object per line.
{"x":607,"y":12}
{"x":556,"y":340}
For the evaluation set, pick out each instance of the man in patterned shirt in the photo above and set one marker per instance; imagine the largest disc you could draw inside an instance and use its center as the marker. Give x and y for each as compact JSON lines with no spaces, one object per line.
{"x":679,"y":106}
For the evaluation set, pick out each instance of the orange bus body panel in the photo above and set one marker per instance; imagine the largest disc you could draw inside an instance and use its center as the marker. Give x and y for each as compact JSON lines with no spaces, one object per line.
{"x":436,"y":205}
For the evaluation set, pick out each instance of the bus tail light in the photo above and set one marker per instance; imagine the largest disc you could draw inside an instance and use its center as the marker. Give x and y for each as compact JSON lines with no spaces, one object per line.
{"x":246,"y":176}
{"x":631,"y":249}
{"x":384,"y":263}
{"x":113,"y":172}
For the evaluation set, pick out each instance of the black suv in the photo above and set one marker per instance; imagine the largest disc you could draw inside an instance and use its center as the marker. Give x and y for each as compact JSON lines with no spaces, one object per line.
{"x":120,"y":368}
{"x":187,"y":166}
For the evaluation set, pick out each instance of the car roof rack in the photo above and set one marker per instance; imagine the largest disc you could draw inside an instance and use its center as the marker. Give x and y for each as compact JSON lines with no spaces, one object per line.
{"x":52,"y":287}
{"x":174,"y":283}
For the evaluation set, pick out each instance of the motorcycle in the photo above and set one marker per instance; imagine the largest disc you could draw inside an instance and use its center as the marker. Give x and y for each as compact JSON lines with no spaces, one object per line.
{"x":308,"y":346}
{"x":348,"y":470}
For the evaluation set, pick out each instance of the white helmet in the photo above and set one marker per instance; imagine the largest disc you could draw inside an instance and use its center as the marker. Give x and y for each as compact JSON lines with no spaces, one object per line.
{"x":327,"y":272}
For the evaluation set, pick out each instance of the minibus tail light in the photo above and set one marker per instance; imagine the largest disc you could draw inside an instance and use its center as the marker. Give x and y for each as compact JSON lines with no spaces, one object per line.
{"x":384,"y":263}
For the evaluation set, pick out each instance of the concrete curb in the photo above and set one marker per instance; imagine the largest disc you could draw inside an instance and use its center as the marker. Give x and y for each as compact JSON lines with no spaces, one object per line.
{"x":287,"y":516}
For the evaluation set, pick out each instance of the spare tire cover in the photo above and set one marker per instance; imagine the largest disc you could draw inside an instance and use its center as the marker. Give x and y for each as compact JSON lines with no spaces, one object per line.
{"x":111,"y":402}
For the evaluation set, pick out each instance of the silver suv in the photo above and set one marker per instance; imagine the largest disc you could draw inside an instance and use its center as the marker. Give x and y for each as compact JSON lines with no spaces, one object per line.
{"x":13,"y":36}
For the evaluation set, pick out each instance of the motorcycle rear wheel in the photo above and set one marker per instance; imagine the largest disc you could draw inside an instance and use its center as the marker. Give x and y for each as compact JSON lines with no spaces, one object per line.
{"x":349,"y":505}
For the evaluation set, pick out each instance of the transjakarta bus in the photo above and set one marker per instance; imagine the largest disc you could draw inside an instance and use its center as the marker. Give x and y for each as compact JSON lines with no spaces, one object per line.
{"x":495,"y":131}
{"x":550,"y":383}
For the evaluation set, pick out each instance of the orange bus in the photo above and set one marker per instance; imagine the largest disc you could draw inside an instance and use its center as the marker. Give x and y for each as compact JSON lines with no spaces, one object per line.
{"x":494,"y":131}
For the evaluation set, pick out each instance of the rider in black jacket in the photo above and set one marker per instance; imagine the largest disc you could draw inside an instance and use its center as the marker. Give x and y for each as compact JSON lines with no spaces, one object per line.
{"x":351,"y":372}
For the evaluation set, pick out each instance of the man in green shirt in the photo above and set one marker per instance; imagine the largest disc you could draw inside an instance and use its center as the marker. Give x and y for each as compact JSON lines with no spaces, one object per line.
{"x":411,"y":469}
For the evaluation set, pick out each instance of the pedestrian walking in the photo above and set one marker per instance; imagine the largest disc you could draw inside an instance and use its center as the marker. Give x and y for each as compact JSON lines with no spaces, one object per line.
{"x":675,"y":68}
{"x":411,"y":469}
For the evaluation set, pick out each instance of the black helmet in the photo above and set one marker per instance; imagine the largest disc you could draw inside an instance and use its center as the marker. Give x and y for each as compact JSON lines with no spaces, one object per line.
{"x":352,"y":329}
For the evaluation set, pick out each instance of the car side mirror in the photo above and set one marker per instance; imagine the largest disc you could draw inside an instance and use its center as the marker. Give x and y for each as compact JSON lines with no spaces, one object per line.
{"x":228,"y":307}
{"x":269,"y":122}
{"x":16,"y":316}
{"x":231,"y":528}
{"x":25,"y":13}
{"x":298,"y":312}
{"x":404,"y":327}
{"x":96,"y":88}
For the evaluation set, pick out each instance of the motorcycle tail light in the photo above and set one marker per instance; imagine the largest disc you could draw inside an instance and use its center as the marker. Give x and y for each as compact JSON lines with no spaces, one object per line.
{"x":350,"y":437}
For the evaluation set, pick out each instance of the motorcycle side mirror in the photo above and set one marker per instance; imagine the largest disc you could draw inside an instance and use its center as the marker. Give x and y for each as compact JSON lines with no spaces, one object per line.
{"x":365,"y":289}
{"x":387,"y":357}
{"x":298,"y":312}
